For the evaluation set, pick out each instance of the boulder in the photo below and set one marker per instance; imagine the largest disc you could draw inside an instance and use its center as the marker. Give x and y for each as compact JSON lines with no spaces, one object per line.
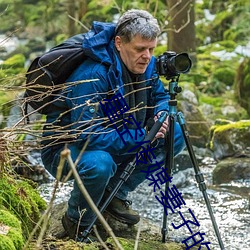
{"x":197,"y":125}
{"x":230,"y":143}
{"x":231,"y":139}
{"x":149,"y":238}
{"x":231,"y":169}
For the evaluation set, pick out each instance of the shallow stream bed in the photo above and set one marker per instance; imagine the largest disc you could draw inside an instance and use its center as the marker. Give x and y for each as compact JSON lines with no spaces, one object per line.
{"x":230,"y":204}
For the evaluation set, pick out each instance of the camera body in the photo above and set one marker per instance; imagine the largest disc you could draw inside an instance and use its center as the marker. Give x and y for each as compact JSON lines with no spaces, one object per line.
{"x":171,"y":65}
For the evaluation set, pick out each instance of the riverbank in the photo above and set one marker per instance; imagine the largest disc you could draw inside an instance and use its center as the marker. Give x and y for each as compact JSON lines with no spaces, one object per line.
{"x":145,"y":235}
{"x":230,"y":203}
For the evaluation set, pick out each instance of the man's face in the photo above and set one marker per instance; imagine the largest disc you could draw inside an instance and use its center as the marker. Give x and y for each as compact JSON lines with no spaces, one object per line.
{"x":137,"y":53}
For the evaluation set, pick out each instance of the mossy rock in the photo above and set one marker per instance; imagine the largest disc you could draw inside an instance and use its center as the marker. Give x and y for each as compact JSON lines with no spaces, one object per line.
{"x":11,"y":237}
{"x":21,"y":199}
{"x":150,"y":235}
{"x":232,"y":139}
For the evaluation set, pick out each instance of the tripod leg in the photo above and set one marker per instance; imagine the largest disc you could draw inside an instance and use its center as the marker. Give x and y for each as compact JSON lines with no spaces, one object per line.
{"x":169,"y":165}
{"x":199,"y":176}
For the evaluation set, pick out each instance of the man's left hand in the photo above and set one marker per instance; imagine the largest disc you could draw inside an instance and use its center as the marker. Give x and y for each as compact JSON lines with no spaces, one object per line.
{"x":163,"y":129}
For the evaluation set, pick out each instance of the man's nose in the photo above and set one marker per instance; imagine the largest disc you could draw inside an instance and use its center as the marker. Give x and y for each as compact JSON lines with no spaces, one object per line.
{"x":146,"y":54}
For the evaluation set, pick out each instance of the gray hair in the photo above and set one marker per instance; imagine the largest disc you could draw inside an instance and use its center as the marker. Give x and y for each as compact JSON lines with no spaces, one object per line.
{"x":137,"y":22}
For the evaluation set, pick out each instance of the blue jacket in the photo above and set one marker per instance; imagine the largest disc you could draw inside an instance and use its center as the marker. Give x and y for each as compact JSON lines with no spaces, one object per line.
{"x":85,"y":118}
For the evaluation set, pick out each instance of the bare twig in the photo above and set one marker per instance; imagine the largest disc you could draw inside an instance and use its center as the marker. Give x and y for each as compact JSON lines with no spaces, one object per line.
{"x":67,"y":155}
{"x":137,"y":236}
{"x":99,"y":238}
{"x":77,"y":21}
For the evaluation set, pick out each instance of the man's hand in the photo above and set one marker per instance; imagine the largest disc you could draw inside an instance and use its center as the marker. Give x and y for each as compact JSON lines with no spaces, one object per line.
{"x":164,"y":128}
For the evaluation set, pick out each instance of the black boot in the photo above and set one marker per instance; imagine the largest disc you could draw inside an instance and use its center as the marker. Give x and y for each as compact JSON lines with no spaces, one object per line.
{"x":121,"y":211}
{"x":75,"y":231}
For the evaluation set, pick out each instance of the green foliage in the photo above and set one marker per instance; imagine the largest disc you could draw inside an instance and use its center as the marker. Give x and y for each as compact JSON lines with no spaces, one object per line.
{"x":214,"y":101}
{"x":219,"y":102}
{"x":238,"y":31}
{"x":242,"y":84}
{"x":216,"y":67}
{"x":229,"y":23}
{"x":160,"y":49}
{"x":5,"y":97}
{"x":60,"y":38}
{"x":12,"y":67}
{"x":224,"y":75}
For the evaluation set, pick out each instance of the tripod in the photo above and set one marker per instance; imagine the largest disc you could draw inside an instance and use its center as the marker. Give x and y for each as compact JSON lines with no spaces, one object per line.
{"x":126,"y":173}
{"x":173,"y":90}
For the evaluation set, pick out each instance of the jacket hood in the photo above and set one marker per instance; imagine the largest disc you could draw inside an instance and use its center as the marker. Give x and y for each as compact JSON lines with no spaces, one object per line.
{"x":98,"y":43}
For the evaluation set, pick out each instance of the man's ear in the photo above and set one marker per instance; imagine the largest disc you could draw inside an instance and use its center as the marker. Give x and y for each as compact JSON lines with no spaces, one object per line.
{"x":118,"y":42}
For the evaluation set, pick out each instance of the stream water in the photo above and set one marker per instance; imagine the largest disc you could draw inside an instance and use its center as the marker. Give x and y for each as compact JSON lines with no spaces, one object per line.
{"x":230,"y":204}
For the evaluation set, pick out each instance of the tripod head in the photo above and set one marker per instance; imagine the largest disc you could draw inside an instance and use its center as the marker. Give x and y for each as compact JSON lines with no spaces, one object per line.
{"x":174,"y":89}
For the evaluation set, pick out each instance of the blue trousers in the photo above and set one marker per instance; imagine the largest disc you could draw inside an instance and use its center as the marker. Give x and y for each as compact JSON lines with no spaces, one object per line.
{"x":99,"y":170}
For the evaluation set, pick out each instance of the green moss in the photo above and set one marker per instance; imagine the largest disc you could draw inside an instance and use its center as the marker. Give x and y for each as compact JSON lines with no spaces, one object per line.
{"x":128,"y":244}
{"x":219,"y":102}
{"x":239,"y":128}
{"x":13,"y":239}
{"x":16,"y":61}
{"x":221,"y":122}
{"x":9,"y":219}
{"x":91,"y":247}
{"x":6,"y":243}
{"x":60,"y":38}
{"x":16,"y":237}
{"x":212,"y":100}
{"x":228,"y":45}
{"x":225,"y":75}
{"x":13,"y":71}
{"x":21,"y":199}
{"x":6,"y":96}
{"x":235,"y":125}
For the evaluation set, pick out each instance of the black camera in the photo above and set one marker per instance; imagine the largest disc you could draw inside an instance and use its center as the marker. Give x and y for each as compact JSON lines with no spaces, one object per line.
{"x":171,"y":65}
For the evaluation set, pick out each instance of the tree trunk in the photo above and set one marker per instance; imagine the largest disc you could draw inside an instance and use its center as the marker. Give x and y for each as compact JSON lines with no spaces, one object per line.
{"x":181,"y":27}
{"x":71,"y":6}
{"x":83,"y":7}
